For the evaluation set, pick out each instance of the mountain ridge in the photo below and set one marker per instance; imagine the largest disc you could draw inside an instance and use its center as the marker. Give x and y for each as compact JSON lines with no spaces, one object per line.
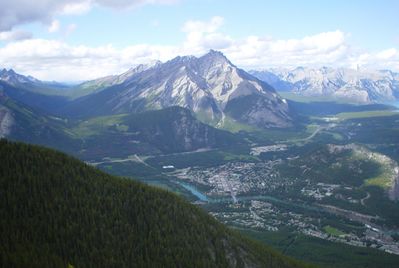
{"x":204,"y":85}
{"x":170,"y":130}
{"x":360,"y":85}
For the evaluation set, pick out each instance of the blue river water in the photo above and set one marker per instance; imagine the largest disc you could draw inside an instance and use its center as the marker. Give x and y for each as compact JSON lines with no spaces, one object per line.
{"x":205,"y":198}
{"x":194,"y":191}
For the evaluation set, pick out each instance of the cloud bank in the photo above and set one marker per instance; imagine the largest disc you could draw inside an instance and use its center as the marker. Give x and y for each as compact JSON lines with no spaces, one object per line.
{"x":16,"y":12}
{"x":57,"y":60}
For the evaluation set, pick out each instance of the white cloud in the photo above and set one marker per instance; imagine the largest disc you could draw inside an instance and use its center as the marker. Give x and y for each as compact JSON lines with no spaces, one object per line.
{"x":131,"y":3}
{"x":202,"y":36}
{"x":16,"y":12}
{"x":77,"y":8}
{"x":203,"y":26}
{"x":387,"y":54}
{"x":15,"y":35}
{"x":258,"y":52}
{"x":56,"y":60}
{"x":385,"y":59}
{"x":70,"y":29}
{"x":54,"y":26}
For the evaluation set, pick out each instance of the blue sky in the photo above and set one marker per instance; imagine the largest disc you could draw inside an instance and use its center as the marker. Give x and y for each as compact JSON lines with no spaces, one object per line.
{"x":83,"y":39}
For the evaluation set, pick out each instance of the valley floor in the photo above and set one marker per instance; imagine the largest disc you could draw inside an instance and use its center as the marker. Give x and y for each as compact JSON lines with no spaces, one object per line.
{"x":331,"y":183}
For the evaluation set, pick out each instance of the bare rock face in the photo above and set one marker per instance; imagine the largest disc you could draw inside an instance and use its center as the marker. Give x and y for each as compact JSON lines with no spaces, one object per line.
{"x":204,"y":85}
{"x":6,"y":121}
{"x":6,"y":117}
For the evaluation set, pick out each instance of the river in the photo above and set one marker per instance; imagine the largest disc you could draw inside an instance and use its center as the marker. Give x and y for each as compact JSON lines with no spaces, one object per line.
{"x":194,"y":191}
{"x":234,"y":199}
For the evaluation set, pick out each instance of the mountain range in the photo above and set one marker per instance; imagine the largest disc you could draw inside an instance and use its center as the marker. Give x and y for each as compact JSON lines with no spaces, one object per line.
{"x":171,"y":130}
{"x":354,"y":85}
{"x":210,"y":86}
{"x":190,"y":100}
{"x":180,"y":105}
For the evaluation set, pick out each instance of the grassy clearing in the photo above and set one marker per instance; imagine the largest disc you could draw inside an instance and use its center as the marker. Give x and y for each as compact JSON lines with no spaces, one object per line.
{"x":95,"y":126}
{"x":336,"y":136}
{"x":387,"y":171}
{"x":307,"y":99}
{"x":385,"y":179}
{"x":333,"y":231}
{"x":233,"y":126}
{"x":229,"y":124}
{"x":238,"y":157}
{"x":278,"y":135}
{"x":365,"y":114}
{"x":380,"y":181}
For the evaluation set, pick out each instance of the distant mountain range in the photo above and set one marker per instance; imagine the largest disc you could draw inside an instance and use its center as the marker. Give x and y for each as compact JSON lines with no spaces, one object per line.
{"x":31,"y":84}
{"x":362,"y":86}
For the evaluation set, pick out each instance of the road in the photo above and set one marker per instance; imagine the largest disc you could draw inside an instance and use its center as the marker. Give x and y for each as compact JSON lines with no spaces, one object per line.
{"x":135,"y":158}
{"x":365,"y":198}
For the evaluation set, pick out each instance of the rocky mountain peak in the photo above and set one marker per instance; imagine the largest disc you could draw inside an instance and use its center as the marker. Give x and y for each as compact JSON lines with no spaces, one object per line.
{"x":181,"y":59}
{"x":214,"y":54}
{"x":10,"y":76}
{"x":143,"y":67}
{"x":6,"y":72}
{"x":205,"y":85}
{"x":215,"y":58}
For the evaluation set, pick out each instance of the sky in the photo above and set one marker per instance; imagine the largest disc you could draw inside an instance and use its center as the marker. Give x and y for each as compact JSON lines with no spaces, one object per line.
{"x":75,"y":40}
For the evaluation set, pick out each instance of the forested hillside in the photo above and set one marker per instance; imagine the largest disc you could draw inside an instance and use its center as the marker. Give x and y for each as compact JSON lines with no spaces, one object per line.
{"x":56,"y":211}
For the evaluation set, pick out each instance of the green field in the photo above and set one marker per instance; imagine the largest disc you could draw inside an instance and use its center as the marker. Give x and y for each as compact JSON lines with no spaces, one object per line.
{"x":365,"y":114}
{"x":333,"y":231}
{"x":96,"y":125}
{"x":384,"y":180}
{"x":309,"y":99}
{"x":232,"y":125}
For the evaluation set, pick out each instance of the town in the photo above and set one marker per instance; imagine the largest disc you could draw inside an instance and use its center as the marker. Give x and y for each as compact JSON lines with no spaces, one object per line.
{"x":255,"y":195}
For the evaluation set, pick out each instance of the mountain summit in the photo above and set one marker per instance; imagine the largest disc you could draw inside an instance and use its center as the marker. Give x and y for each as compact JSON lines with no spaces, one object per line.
{"x":13,"y":78}
{"x":210,"y":86}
